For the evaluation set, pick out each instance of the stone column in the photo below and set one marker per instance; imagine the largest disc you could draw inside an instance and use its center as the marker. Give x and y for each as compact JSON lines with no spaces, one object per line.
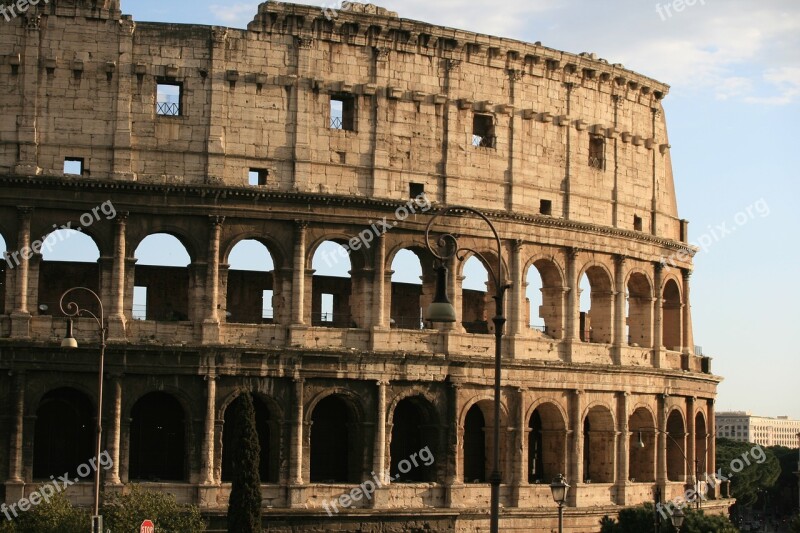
{"x":378,"y":285}
{"x":454,"y":475}
{"x":379,"y":466}
{"x":620,"y":337}
{"x":299,"y":275}
{"x":516,"y":324}
{"x":691,"y":435}
{"x":520,"y":468}
{"x":688,"y":334}
{"x":207,"y":475}
{"x":21,"y":316}
{"x":116,"y":320}
{"x":17,"y":430}
{"x":211,"y":326}
{"x":658,"y":317}
{"x":114,"y":430}
{"x":296,"y":462}
{"x":122,"y":157}
{"x":573,"y":304}
{"x":576,"y":459}
{"x":661,"y":463}
{"x":711,"y":458}
{"x":623,"y":447}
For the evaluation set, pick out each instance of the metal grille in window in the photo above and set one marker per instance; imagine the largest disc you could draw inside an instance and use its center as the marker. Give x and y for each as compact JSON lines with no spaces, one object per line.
{"x":336,"y":123}
{"x":169,"y":109}
{"x":597,"y":153}
{"x":488,"y":141}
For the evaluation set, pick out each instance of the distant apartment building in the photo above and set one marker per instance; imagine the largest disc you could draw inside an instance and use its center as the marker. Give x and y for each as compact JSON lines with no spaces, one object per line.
{"x":746,"y":427}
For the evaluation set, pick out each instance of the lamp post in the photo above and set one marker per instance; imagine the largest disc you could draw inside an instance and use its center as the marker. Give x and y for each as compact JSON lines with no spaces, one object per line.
{"x":441,"y":310}
{"x":695,"y":475}
{"x":677,"y":519}
{"x":559,"y":488}
{"x":71,"y":309}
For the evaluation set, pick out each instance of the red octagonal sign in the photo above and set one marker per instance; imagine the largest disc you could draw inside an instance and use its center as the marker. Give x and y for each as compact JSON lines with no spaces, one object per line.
{"x":147,"y":527}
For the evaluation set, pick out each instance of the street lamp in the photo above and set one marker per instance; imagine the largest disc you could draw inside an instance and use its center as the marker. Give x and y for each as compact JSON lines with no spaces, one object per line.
{"x":559,"y":488}
{"x":441,"y":310}
{"x":695,"y":475}
{"x":72,"y":309}
{"x":677,"y":519}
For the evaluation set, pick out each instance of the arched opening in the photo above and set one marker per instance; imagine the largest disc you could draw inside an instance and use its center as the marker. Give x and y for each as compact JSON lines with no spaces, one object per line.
{"x":547,"y":444}
{"x":639,"y":313}
{"x":332,"y":287}
{"x":407,"y":291}
{"x":158,"y":439}
{"x":63,"y":434}
{"x":250,"y":284}
{"x":642,"y":446}
{"x":335,"y":446}
{"x":596,"y":309}
{"x":266,"y":427}
{"x":475,"y":299}
{"x":700,"y":443}
{"x":161,"y":279}
{"x":414,"y":444}
{"x":6,"y":263}
{"x":475,"y":465}
{"x":69,"y":259}
{"x":672,"y":316}
{"x":545,"y":293}
{"x":676,"y":447}
{"x":598,"y":446}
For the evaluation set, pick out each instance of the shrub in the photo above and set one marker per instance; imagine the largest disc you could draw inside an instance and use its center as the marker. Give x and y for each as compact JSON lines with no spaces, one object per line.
{"x":124,"y":513}
{"x":54,"y":516}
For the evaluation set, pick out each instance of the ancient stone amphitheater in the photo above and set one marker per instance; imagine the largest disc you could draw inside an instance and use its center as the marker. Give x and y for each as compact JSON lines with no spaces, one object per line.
{"x":307,"y":128}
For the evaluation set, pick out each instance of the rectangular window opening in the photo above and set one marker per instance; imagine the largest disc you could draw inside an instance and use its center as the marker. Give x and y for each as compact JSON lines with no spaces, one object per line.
{"x":637,"y":223}
{"x":73,"y":166}
{"x":267,"y":313}
{"x":597,"y":146}
{"x":168,"y":99}
{"x":140,"y":303}
{"x":415,"y":190}
{"x":483,"y":134}
{"x":546,"y":207}
{"x":258,"y":176}
{"x":343,"y":112}
{"x":327,"y":308}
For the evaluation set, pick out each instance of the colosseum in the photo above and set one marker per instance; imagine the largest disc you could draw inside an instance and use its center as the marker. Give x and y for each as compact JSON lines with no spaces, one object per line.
{"x":314,"y":129}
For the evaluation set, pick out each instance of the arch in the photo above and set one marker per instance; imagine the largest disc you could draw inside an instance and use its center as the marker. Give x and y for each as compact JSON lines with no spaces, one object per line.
{"x":5,"y":264}
{"x":414,"y":441}
{"x":595,"y":322}
{"x":545,"y":294}
{"x":161,"y":279}
{"x":334,"y":446}
{"x":357,"y":258}
{"x":333,"y":289}
{"x":547,"y":443}
{"x":69,"y":259}
{"x":267,"y":428}
{"x":639,"y":310}
{"x":642,"y":445}
{"x":63,"y":433}
{"x":700,"y":442}
{"x":408,"y":289}
{"x":275,"y":249}
{"x":158,"y":439}
{"x":676,"y":446}
{"x":476,"y":292}
{"x":599,"y":461}
{"x":475,"y":456}
{"x":672,"y":323}
{"x":250,"y":287}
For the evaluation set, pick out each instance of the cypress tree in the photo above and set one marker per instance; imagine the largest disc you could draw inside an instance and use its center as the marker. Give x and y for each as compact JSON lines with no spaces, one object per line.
{"x":244,"y":506}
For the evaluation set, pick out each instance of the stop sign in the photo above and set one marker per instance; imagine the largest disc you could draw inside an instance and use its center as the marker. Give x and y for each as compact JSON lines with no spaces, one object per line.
{"x":147,"y":527}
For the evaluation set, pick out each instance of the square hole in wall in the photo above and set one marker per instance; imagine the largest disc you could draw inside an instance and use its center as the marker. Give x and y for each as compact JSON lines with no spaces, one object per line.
{"x":73,"y":166}
{"x":597,"y":148}
{"x":169,"y":96}
{"x":343,"y":112}
{"x":257,"y":176}
{"x":637,"y":223}
{"x":483,"y":133}
{"x":546,"y":207}
{"x":415,"y":190}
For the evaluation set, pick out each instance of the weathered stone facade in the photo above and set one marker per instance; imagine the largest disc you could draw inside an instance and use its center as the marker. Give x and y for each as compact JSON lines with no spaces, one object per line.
{"x":567,"y":154}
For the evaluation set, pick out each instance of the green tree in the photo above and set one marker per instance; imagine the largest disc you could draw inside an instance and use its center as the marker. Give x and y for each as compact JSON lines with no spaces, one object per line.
{"x":54,"y":516}
{"x":783,"y":495}
{"x":794,"y":526}
{"x":244,"y":507}
{"x":642,"y":520}
{"x":754,"y":476}
{"x":124,"y":513}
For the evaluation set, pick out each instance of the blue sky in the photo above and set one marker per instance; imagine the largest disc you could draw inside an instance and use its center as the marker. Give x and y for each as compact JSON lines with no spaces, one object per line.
{"x":734,"y":68}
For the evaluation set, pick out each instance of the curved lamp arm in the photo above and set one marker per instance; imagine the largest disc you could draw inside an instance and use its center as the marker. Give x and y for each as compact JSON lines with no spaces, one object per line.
{"x":71,"y":309}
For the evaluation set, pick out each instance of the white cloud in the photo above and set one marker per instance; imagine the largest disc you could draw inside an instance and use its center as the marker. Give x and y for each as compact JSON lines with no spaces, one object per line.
{"x":238,"y":15}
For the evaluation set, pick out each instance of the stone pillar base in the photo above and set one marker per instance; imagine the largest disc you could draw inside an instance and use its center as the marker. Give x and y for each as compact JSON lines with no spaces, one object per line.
{"x":380,"y":499}
{"x":20,"y":325}
{"x":298,"y":499}
{"x":379,"y":338}
{"x":210,"y":332}
{"x":27,"y":169}
{"x":298,"y":335}
{"x":117,"y":331}
{"x":208,"y":496}
{"x":15,"y":491}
